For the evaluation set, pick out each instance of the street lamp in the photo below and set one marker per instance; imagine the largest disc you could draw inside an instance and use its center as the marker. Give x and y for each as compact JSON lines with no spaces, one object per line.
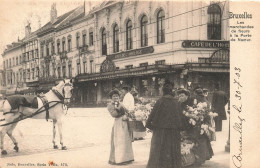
{"x":95,"y":84}
{"x":153,"y":78}
{"x":121,"y":82}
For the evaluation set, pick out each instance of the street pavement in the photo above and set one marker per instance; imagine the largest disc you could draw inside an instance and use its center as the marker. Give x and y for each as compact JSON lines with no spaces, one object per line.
{"x":86,"y":133}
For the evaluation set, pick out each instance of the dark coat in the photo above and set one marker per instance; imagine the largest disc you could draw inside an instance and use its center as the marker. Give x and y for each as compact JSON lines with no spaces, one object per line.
{"x":165,"y":114}
{"x":22,"y":100}
{"x":219,"y":100}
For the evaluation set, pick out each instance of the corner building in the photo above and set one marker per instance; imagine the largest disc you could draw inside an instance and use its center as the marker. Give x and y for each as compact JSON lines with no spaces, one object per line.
{"x":139,"y":43}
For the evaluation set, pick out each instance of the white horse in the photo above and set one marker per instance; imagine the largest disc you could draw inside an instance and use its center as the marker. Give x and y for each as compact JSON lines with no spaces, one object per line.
{"x":55,"y":100}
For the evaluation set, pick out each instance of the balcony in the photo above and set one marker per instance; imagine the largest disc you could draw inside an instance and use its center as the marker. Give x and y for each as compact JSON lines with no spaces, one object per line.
{"x":83,"y":49}
{"x":63,"y":55}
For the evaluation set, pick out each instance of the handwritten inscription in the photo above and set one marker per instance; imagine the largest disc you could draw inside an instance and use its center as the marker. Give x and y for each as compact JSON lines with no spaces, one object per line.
{"x":238,"y":126}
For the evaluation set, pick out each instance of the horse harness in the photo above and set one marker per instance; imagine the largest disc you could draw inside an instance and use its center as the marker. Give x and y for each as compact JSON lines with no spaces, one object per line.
{"x":46,"y":106}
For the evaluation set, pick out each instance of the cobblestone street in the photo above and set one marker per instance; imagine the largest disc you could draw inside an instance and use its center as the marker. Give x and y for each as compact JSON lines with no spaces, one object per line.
{"x":87,"y":137}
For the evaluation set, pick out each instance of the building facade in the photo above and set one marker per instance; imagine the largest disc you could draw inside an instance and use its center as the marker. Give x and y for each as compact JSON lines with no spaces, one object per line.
{"x":139,"y":43}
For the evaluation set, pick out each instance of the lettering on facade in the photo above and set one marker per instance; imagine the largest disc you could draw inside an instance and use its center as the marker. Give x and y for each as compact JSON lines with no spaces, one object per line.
{"x":205,"y":44}
{"x":125,"y":54}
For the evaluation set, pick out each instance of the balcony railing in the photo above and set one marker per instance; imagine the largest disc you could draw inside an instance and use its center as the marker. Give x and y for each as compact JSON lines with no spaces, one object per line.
{"x":63,"y":55}
{"x":83,"y":49}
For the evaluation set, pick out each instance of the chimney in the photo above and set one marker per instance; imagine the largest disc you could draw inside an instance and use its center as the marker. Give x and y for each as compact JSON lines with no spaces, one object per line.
{"x":28,"y":29}
{"x":53,"y":13}
{"x":87,"y":6}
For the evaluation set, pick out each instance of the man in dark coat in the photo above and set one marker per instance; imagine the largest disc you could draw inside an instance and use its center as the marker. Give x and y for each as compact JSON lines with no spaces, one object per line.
{"x":165,"y":122}
{"x":219,"y":100}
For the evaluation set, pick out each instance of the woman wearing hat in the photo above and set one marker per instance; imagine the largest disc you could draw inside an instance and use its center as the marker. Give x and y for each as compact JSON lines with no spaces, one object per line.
{"x":121,"y":145}
{"x":139,"y":131}
{"x":165,"y":122}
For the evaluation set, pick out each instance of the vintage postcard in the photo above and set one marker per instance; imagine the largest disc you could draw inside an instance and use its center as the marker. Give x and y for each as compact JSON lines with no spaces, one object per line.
{"x":147,"y":84}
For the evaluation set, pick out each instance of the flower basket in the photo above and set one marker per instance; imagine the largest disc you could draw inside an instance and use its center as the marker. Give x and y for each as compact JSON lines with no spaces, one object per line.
{"x":188,"y":159}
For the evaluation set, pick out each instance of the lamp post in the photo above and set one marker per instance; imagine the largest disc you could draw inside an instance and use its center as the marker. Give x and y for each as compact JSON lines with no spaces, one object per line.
{"x":227,"y":147}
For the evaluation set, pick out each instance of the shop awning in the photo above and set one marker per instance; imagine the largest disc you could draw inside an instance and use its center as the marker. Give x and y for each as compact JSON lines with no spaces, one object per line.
{"x":138,"y":71}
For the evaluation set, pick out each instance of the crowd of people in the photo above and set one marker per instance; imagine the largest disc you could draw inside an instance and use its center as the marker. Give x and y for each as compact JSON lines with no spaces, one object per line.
{"x":167,"y":123}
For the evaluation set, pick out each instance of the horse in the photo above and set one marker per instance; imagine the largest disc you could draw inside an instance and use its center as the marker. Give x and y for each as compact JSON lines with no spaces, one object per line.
{"x":50,"y":106}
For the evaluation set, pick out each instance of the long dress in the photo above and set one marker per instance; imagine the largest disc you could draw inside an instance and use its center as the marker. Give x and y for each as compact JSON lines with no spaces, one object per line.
{"x":204,"y":150}
{"x":165,"y":122}
{"x":121,"y":145}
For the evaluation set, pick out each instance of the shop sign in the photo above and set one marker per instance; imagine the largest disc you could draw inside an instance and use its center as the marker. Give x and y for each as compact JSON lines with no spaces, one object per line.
{"x":131,"y":53}
{"x":205,"y":44}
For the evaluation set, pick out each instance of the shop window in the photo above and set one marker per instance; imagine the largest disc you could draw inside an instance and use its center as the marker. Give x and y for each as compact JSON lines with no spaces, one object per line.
{"x":160,"y":62}
{"x":144,"y":35}
{"x":214,"y":22}
{"x":116,"y":38}
{"x":129,"y":44}
{"x":104,"y":43}
{"x":160,"y":27}
{"x":144,"y":64}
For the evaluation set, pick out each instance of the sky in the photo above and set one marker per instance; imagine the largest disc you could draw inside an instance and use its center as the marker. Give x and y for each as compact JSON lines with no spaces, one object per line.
{"x":15,"y":15}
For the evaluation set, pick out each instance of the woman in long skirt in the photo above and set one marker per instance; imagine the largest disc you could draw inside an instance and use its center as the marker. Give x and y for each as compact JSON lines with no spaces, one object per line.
{"x":121,"y":145}
{"x":165,"y":122}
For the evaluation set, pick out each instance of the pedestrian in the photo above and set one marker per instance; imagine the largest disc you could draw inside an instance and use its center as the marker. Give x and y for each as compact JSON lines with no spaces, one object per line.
{"x":139,"y":131}
{"x":129,"y":103}
{"x":165,"y":123}
{"x":219,"y":101}
{"x":121,"y":145}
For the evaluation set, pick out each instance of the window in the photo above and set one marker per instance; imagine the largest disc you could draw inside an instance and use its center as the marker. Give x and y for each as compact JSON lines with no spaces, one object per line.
{"x":16,"y":60}
{"x":104,"y":42}
{"x":160,"y":62}
{"x":214,"y":22}
{"x":47,"y":70}
{"x":58,"y":46}
{"x":84,"y":67}
{"x":52,"y":48}
{"x":129,"y":66}
{"x":36,"y":53}
{"x":37,"y":72}
{"x":24,"y":75}
{"x":13,"y":62}
{"x":70,"y":70}
{"x":77,"y":40}
{"x":91,"y":66}
{"x":69,"y":44}
{"x":28,"y":74}
{"x":33,"y":73}
{"x":84,"y":38}
{"x":91,"y":38}
{"x":78,"y":67}
{"x":160,"y":27}
{"x":144,"y":36}
{"x":10,"y":63}
{"x":64,"y":71}
{"x":53,"y":70}
{"x":47,"y":49}
{"x":116,"y":39}
{"x":129,"y":35}
{"x":63,"y":45}
{"x":144,"y":64}
{"x":20,"y":59}
{"x":59,"y":73}
{"x":32,"y":54}
{"x":4,"y":64}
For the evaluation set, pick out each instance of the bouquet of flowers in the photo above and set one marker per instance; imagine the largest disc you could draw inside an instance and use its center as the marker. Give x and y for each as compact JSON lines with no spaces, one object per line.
{"x":142,"y":110}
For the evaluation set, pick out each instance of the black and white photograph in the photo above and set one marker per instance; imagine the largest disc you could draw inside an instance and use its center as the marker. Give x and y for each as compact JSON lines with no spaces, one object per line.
{"x":127,"y":83}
